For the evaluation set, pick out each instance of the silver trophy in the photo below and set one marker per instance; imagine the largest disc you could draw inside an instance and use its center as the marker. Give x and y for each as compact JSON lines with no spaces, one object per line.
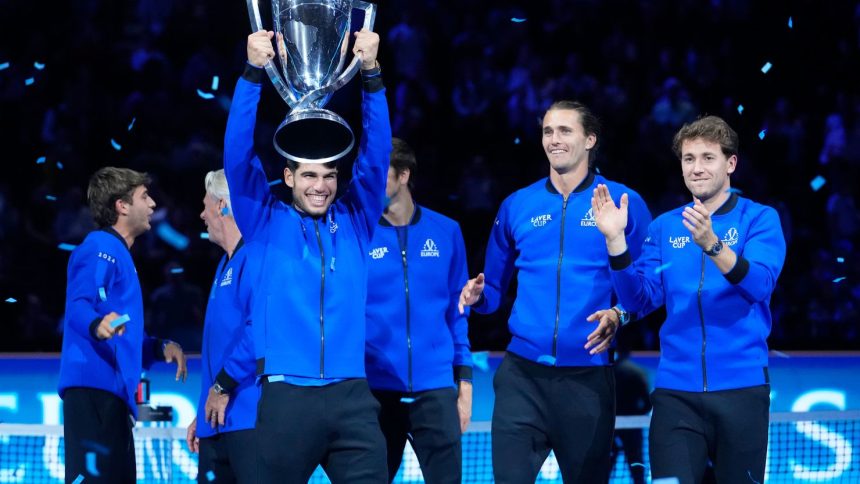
{"x":311,"y":44}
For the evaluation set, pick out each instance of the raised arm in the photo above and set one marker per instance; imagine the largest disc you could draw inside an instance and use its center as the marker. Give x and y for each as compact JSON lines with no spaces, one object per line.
{"x":250,"y":196}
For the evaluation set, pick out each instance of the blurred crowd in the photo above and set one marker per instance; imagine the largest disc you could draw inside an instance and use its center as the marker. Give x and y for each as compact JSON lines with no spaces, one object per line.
{"x":146,"y":84}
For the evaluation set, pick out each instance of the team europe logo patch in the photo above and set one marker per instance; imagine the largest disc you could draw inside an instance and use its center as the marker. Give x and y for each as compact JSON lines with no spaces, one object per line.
{"x":588,"y":219}
{"x":228,"y":278}
{"x":429,"y":249}
{"x":731,"y":237}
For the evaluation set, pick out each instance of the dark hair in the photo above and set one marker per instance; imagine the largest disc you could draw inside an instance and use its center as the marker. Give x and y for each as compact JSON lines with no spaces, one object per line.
{"x":709,"y":128}
{"x":590,"y":122}
{"x":108,"y":185}
{"x":294,"y":165}
{"x":403,"y":158}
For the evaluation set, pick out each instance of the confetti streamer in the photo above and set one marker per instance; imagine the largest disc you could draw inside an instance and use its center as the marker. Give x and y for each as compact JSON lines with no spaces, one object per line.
{"x":119,"y":322}
{"x":91,"y":464}
{"x":115,"y":145}
{"x":177,"y":270}
{"x":11,"y":300}
{"x":4,"y":66}
{"x":131,"y":125}
{"x":637,"y":464}
{"x":740,"y":108}
{"x":29,"y":81}
{"x":204,"y":235}
{"x":215,"y":83}
{"x":817,"y":183}
{"x":838,"y":280}
{"x":762,"y":133}
{"x":40,"y":160}
{"x":102,"y":294}
{"x":205,"y":95}
{"x":766,"y":67}
{"x":38,"y":65}
{"x":65,"y":246}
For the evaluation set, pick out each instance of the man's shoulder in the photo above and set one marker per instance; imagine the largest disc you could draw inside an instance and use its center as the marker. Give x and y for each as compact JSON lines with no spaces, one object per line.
{"x":435,"y":218}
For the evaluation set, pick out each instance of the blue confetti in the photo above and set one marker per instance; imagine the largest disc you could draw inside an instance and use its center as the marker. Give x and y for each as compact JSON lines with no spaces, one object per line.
{"x":275,"y":182}
{"x":205,"y":95}
{"x":78,"y":480}
{"x":766,"y":67}
{"x":838,"y":280}
{"x":840,"y":260}
{"x":91,"y":464}
{"x":517,"y":20}
{"x":11,"y":300}
{"x":762,"y":133}
{"x":516,"y":141}
{"x":51,"y":198}
{"x":60,"y":165}
{"x":171,"y":236}
{"x":666,"y":480}
{"x":546,"y":360}
{"x":740,"y":108}
{"x":215,"y":83}
{"x":637,"y":464}
{"x":735,"y":190}
{"x":131,"y":124}
{"x":177,"y":270}
{"x":407,"y":400}
{"x":29,"y":81}
{"x":120,"y":321}
{"x":481,"y":360}
{"x":65,"y":246}
{"x":40,"y":160}
{"x":204,"y":235}
{"x":210,"y":476}
{"x":779,"y":354}
{"x":749,"y":473}
{"x":4,"y":66}
{"x":38,"y":65}
{"x":790,"y":23}
{"x":115,"y":145}
{"x":817,"y":183}
{"x":662,"y":268}
{"x":102,"y":294}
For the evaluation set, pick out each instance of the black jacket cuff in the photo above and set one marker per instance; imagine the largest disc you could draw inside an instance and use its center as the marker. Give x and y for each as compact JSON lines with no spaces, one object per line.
{"x":371,"y":79}
{"x":226,"y":381}
{"x":739,"y":271}
{"x":621,"y":261}
{"x":462,"y":372}
{"x":253,"y":74}
{"x":93,"y":327}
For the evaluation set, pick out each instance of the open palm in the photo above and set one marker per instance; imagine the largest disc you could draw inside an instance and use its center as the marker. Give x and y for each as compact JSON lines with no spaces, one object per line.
{"x":611,"y":220}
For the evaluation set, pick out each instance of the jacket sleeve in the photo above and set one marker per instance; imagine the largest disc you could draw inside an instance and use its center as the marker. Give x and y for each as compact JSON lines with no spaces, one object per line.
{"x":366,"y":193}
{"x":639,"y":285}
{"x":250,"y":198}
{"x":638,"y":221}
{"x":153,"y":350}
{"x":498,"y":263}
{"x":761,"y":259}
{"x":240,"y":364}
{"x":91,"y":275}
{"x":458,"y":323}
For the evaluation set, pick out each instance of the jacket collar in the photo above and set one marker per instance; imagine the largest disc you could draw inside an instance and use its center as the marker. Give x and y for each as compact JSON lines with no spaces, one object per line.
{"x":116,"y":234}
{"x":583,"y":185}
{"x":728,"y":205}
{"x":416,"y":216}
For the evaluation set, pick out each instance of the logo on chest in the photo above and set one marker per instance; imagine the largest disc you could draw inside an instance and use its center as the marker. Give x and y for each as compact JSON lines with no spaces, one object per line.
{"x":731,"y":238}
{"x":588,"y":219}
{"x":378,"y":253}
{"x":228,"y":278}
{"x":541,"y":220}
{"x":429,"y":249}
{"x":679,"y":242}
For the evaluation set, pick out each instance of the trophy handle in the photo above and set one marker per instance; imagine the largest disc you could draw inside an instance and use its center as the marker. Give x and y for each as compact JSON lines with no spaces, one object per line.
{"x":277,"y":80}
{"x":351,"y":70}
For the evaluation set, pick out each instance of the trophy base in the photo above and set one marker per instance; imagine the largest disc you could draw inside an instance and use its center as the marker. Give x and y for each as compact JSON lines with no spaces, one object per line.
{"x":314,"y":136}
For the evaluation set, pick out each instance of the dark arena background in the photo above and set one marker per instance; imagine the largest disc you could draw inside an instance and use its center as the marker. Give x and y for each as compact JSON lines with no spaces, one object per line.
{"x":146,"y":84}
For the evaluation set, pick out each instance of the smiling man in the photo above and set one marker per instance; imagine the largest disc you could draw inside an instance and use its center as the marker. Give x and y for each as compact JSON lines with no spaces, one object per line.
{"x":102,"y":357}
{"x":555,"y":389}
{"x":714,"y":264}
{"x":309,"y":309}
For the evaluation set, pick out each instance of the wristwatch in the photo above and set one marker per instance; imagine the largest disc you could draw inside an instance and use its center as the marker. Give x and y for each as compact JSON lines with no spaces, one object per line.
{"x":623,"y":316}
{"x":715,"y":249}
{"x":217,"y":388}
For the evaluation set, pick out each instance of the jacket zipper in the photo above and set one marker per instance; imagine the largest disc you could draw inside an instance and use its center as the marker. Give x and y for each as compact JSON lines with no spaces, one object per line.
{"x":322,"y":299}
{"x":403,"y":245}
{"x":558,"y":281}
{"x":702,"y":320}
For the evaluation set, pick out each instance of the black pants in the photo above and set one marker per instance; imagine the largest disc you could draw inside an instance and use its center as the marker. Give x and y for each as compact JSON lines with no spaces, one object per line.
{"x":336,"y":426}
{"x":98,"y":437}
{"x":570,"y":410}
{"x":729,"y":428}
{"x":432,"y":425}
{"x":631,"y":442}
{"x":230,"y":457}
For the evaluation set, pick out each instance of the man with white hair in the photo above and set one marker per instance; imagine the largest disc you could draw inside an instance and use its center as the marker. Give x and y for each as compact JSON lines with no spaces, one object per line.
{"x":223,"y":431}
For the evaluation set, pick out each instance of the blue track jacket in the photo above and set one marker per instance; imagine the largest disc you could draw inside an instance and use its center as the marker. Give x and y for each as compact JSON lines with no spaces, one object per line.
{"x":716,"y":329}
{"x":228,"y":351}
{"x":309,"y":320}
{"x":563,"y":273}
{"x":416,"y":337}
{"x":101,"y":279}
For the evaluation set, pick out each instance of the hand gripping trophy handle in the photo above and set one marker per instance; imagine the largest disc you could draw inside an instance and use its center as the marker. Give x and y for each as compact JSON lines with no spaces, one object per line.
{"x":310,"y":134}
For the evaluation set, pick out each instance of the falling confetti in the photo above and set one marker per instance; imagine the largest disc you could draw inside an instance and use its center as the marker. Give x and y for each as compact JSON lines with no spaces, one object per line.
{"x":205,"y":95}
{"x":210,"y":476}
{"x":11,"y":300}
{"x":546,"y":360}
{"x":38,"y":65}
{"x":215,"y":83}
{"x":790,"y":23}
{"x":838,"y":280}
{"x":840,"y":260}
{"x":78,"y":480}
{"x":817,"y":183}
{"x":662,"y":268}
{"x":204,"y":235}
{"x":40,"y":160}
{"x":131,"y":124}
{"x":481,"y":360}
{"x":65,"y":246}
{"x":735,"y":190}
{"x":407,"y":400}
{"x":120,"y":321}
{"x":740,"y":108}
{"x":177,"y":270}
{"x":516,"y":141}
{"x":29,"y":81}
{"x":102,"y":294}
{"x":762,"y":133}
{"x":115,"y":145}
{"x":60,"y":165}
{"x":517,"y":20}
{"x":91,"y":464}
{"x":766,"y":67}
{"x":171,"y":236}
{"x":51,"y":198}
{"x":779,"y":354}
{"x":275,"y":182}
{"x":4,"y":66}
